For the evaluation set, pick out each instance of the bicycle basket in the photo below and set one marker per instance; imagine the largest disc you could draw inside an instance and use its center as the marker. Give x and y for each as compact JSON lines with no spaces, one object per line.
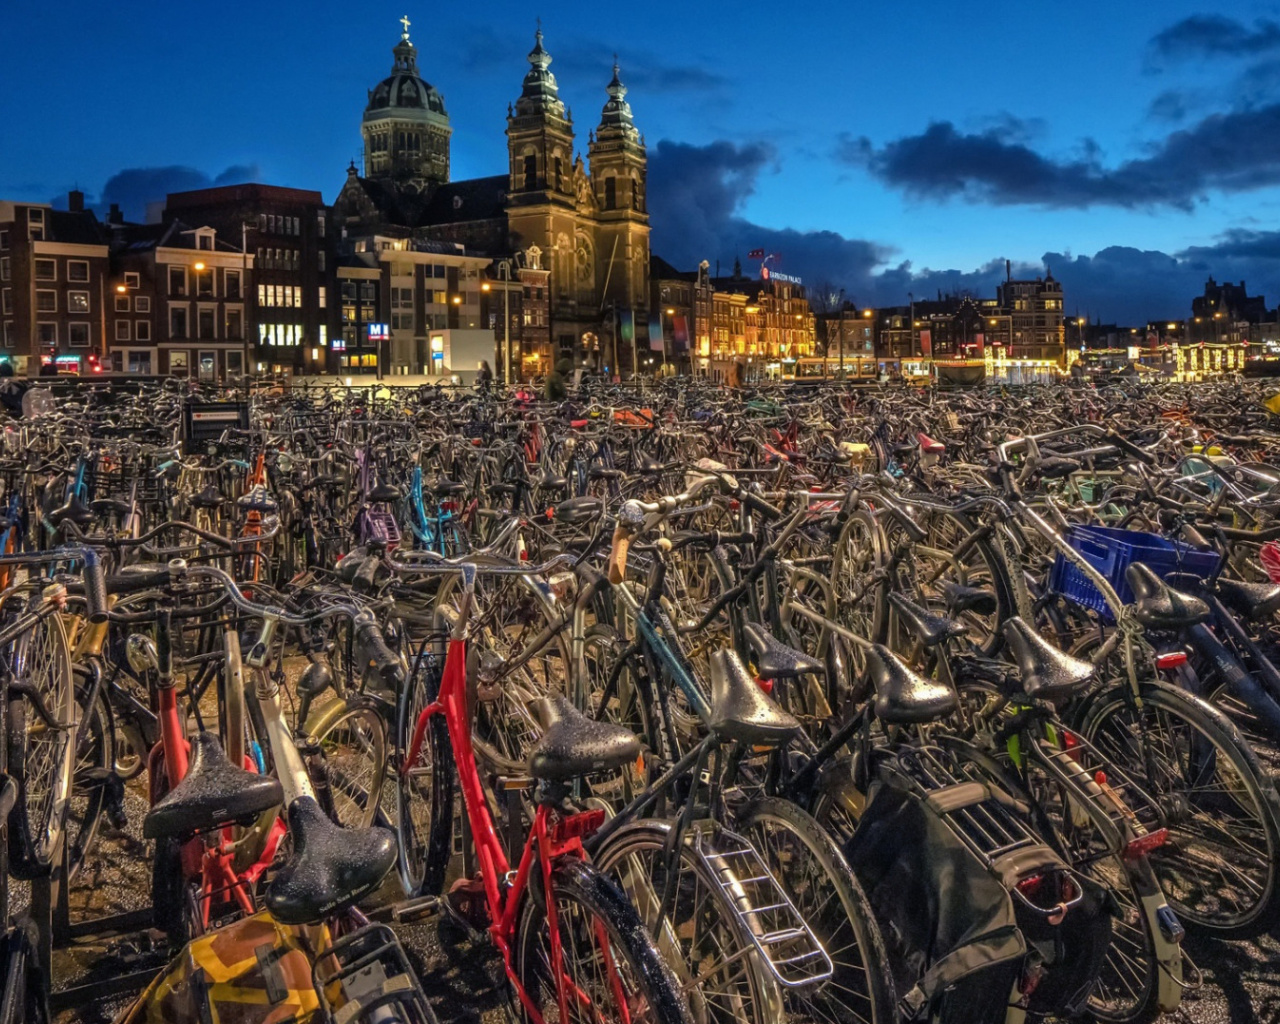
{"x":1111,"y":551}
{"x":366,"y":977}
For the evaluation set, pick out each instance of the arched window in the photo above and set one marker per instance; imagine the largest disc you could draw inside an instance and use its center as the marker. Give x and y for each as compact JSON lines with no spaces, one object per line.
{"x":610,"y":193}
{"x":530,"y":173}
{"x":559,"y":175}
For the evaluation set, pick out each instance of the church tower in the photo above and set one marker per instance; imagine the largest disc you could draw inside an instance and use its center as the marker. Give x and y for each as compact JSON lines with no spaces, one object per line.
{"x":618,"y":181}
{"x":541,"y":201}
{"x":406,"y":128}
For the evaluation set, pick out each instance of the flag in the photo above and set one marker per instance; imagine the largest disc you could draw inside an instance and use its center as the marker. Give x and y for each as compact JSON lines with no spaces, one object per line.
{"x":627,"y":325}
{"x":926,"y":343}
{"x":980,"y":342}
{"x":755,"y":254}
{"x":655,"y":333}
{"x":680,"y":332}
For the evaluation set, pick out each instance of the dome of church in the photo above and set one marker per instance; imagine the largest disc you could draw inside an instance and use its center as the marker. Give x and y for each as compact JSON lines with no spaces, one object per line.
{"x":404,"y":90}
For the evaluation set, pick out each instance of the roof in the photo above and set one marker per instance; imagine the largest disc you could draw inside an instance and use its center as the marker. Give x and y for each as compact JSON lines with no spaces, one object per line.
{"x":661,"y":270}
{"x":174,"y":235}
{"x":473,"y":199}
{"x":78,"y":227}
{"x":250,"y":192}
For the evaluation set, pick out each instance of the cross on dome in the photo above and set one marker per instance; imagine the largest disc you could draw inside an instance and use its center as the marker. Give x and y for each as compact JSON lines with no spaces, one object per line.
{"x":405,"y":22}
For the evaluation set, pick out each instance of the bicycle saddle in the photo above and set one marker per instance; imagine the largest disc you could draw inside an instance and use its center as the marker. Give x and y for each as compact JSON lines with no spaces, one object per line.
{"x":207,"y":497}
{"x":902,"y":696}
{"x":604,"y":473}
{"x":109,"y":506}
{"x":75,"y":510}
{"x":445,"y":486}
{"x":330,"y":868}
{"x":213,"y":793}
{"x":930,"y":629}
{"x":1055,"y":467}
{"x":574,"y":745}
{"x":1158,"y":605}
{"x":577,"y":510}
{"x":968,"y":599}
{"x":1047,"y":673}
{"x":774,"y":659}
{"x":548,"y":481}
{"x":257,"y":500}
{"x":645,"y":463}
{"x":384,"y":492}
{"x":1252,"y":600}
{"x":929,"y":445}
{"x":740,"y":710}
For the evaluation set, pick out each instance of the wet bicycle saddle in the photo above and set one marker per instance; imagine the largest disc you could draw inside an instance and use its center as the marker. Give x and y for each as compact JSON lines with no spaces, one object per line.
{"x":929,"y":629}
{"x":741,"y":710}
{"x":574,"y":745}
{"x":1158,"y":605}
{"x":74,"y":510}
{"x":213,"y":793}
{"x":774,"y":659}
{"x":331,"y":867}
{"x":902,"y":696}
{"x":1047,"y":673}
{"x":960,"y":598}
{"x":1252,"y":600}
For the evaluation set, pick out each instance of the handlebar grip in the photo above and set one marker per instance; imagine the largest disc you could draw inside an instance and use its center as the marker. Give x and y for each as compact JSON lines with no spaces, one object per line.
{"x":758,"y":504}
{"x":95,"y":588}
{"x":367,"y":572}
{"x":376,"y":649}
{"x":617,"y":565}
{"x":132,"y":582}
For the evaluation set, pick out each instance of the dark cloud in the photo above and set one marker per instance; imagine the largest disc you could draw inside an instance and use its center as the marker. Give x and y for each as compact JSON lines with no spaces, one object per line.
{"x":1233,"y":152}
{"x":696,"y":194}
{"x":135,"y":187}
{"x":1214,"y":35}
{"x":1171,"y":105}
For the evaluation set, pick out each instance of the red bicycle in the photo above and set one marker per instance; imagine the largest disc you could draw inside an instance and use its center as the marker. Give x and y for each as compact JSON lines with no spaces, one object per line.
{"x":573,"y":946}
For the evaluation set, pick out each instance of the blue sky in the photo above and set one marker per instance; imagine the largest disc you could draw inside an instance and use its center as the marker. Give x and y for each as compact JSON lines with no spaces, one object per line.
{"x":884,"y":149}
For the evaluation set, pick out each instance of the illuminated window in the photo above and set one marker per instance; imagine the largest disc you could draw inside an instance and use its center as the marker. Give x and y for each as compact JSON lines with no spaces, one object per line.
{"x":77,"y":302}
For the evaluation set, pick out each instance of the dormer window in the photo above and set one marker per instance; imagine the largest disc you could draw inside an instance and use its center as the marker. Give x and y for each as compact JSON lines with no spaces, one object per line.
{"x":204,"y":240}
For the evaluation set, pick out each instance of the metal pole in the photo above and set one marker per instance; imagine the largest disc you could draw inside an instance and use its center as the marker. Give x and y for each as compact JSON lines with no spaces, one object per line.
{"x":244,"y":301}
{"x":506,"y":321}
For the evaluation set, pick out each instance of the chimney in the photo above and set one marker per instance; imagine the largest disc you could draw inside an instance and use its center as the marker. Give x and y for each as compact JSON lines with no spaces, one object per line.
{"x":114,"y":216}
{"x":1008,"y":271}
{"x":75,"y":201}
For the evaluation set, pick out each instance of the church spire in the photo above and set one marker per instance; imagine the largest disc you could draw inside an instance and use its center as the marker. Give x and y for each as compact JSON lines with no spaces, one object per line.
{"x":615,"y":119}
{"x":540,"y":94}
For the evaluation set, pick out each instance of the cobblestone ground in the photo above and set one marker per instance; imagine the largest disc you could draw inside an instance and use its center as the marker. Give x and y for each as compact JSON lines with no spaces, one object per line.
{"x":463,"y":979}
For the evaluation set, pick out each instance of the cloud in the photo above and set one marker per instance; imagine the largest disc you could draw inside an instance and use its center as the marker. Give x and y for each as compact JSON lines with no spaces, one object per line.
{"x":135,"y":187}
{"x":1236,"y":151}
{"x":1171,"y":105}
{"x":1213,"y":35}
{"x":696,"y":195}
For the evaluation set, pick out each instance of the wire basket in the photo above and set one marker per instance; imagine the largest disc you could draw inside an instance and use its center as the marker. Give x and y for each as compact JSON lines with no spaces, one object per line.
{"x":1111,"y":551}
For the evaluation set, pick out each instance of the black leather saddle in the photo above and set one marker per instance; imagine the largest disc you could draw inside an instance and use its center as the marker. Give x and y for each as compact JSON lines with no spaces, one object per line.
{"x":75,"y":510}
{"x":960,"y":598}
{"x":207,"y":497}
{"x":330,"y":868}
{"x":740,"y":710}
{"x":929,"y":629}
{"x":444,"y":487}
{"x":1158,"y":605}
{"x":604,"y":473}
{"x":258,"y":500}
{"x":575,"y":511}
{"x":213,"y":793}
{"x":383,"y":491}
{"x":774,"y":659}
{"x":548,"y":481}
{"x":1252,"y":600}
{"x":1047,"y":673}
{"x":645,"y":463}
{"x":574,"y":745}
{"x":902,"y":696}
{"x":110,"y":506}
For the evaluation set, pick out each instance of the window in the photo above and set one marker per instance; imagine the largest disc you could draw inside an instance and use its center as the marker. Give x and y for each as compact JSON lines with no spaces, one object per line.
{"x":77,"y":302}
{"x":324,"y":297}
{"x":4,"y":235}
{"x":178,"y":322}
{"x":232,"y":283}
{"x":262,"y":225}
{"x":122,"y":303}
{"x":348,"y":289}
{"x":177,"y":280}
{"x":348,"y":314}
{"x":402,"y":321}
{"x":122,"y":330}
{"x":46,"y":270}
{"x":35,"y":225}
{"x":78,"y":270}
{"x":142,"y":304}
{"x":368,"y":290}
{"x":610,"y":193}
{"x":46,"y":301}
{"x":4,"y":268}
{"x":320,"y":259}
{"x":559,"y":173}
{"x":235,"y":324}
{"x":324,"y":336}
{"x":402,"y":298}
{"x":204,"y":323}
{"x":6,"y":301}
{"x":204,"y":242}
{"x":319,"y":225}
{"x":8,"y":334}
{"x":132,"y":279}
{"x":78,"y":335}
{"x":142,"y":330}
{"x":530,"y":173}
{"x":47,"y":334}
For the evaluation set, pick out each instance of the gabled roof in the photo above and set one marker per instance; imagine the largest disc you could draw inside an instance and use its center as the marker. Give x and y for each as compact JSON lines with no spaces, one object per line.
{"x":661,"y":270}
{"x":473,"y":199}
{"x":78,"y":227}
{"x":174,"y":235}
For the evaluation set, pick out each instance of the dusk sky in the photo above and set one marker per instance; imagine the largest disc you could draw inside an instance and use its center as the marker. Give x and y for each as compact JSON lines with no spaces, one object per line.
{"x":888,"y":149}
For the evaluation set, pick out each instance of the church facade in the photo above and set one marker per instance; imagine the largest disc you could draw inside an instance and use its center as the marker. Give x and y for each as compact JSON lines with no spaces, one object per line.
{"x":585,"y":223}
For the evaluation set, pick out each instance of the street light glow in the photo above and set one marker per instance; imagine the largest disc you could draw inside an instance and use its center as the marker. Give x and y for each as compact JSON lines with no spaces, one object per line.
{"x":199,"y":267}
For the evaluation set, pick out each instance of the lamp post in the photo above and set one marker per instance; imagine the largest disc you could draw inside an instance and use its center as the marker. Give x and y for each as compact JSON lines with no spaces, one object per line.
{"x":245,"y":226}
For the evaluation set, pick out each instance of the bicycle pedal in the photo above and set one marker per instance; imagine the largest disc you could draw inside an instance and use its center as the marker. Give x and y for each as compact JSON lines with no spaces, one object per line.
{"x":465,"y":904}
{"x":418,"y":909}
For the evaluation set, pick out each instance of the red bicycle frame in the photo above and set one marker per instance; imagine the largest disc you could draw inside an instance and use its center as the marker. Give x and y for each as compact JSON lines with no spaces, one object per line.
{"x":550,"y":839}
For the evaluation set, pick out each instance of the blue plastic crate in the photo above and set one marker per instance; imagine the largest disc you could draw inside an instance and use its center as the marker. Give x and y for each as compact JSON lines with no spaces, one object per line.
{"x":1111,"y":552}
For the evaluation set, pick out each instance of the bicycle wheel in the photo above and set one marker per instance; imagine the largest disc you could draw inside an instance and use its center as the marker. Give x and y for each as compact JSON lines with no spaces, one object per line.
{"x":718,"y":965}
{"x":812,"y":871}
{"x":424,"y":794}
{"x":25,"y":996}
{"x":611,"y":967}
{"x":1219,"y":866}
{"x":40,"y":758}
{"x":354,"y":748}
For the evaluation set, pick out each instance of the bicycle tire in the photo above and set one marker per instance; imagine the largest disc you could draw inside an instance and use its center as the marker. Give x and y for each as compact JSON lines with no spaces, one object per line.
{"x":424,"y":794}
{"x":1207,"y":735}
{"x":354,"y":749}
{"x":25,"y":999}
{"x":861,"y":989}
{"x":94,"y":764}
{"x":585,"y":895}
